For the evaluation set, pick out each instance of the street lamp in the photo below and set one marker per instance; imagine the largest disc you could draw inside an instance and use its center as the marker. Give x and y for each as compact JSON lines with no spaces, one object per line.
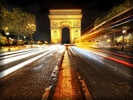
{"x":129,"y":38}
{"x":123,"y":43}
{"x":24,"y":39}
{"x":124,"y":31}
{"x":31,"y":40}
{"x":7,"y":33}
{"x":46,"y":42}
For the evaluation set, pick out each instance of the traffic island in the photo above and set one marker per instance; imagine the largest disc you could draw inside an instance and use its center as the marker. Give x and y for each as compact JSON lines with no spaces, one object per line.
{"x":67,"y":87}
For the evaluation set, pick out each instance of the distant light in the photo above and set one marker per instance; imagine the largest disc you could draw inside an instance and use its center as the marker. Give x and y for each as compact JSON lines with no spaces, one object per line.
{"x":105,"y":36}
{"x":46,"y":42}
{"x":6,"y":28}
{"x":124,"y":31}
{"x":108,"y":40}
{"x":7,"y":33}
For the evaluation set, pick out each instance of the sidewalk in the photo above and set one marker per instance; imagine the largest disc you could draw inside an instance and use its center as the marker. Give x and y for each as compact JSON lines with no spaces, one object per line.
{"x":67,"y":87}
{"x":11,"y":48}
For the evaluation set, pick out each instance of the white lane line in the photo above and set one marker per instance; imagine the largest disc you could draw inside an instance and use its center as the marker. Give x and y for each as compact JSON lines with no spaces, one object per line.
{"x":12,"y":59}
{"x":38,"y":67}
{"x":16,"y":67}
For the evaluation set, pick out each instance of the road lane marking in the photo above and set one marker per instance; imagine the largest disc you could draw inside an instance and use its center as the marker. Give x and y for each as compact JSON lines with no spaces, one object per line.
{"x":38,"y":67}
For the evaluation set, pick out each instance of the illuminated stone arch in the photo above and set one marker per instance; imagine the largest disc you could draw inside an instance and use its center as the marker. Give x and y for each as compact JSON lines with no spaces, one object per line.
{"x":70,"y":18}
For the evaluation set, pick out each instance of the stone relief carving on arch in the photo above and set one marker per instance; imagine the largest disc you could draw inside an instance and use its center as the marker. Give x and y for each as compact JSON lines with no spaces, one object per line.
{"x":76,"y":24}
{"x":54,"y":24}
{"x":76,"y":32}
{"x":55,"y":35}
{"x":65,"y":23}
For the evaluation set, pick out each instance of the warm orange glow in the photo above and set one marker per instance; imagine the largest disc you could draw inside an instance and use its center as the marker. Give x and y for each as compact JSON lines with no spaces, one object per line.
{"x":64,"y":81}
{"x":70,"y":18}
{"x":96,"y":31}
{"x":65,"y":88}
{"x":46,"y":42}
{"x":108,"y":40}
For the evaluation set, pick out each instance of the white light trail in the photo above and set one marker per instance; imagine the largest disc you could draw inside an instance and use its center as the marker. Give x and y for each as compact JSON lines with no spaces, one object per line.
{"x":16,"y":67}
{"x":13,"y":59}
{"x":88,"y":54}
{"x":6,"y":53}
{"x":18,"y":54}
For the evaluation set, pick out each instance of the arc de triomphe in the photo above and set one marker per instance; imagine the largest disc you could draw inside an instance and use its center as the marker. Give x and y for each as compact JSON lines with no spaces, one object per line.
{"x":60,"y":18}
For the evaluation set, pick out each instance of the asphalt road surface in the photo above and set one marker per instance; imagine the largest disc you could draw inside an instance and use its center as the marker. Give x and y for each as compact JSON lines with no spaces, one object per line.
{"x":106,"y":79}
{"x":30,"y":82}
{"x":108,"y":76}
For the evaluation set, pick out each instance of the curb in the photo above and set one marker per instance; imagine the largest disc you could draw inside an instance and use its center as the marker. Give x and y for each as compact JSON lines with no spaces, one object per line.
{"x":48,"y":94}
{"x":84,"y":90}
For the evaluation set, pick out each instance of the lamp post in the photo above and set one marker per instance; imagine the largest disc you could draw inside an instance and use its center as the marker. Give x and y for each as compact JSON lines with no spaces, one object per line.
{"x":24,"y":39}
{"x":31,"y":40}
{"x":123,"y":43}
{"x":7,"y":33}
{"x":129,"y":38}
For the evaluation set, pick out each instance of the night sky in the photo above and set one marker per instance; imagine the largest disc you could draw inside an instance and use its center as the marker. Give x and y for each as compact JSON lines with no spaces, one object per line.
{"x":91,"y":9}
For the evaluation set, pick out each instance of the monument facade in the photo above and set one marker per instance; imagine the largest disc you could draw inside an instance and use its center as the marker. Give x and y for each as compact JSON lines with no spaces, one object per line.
{"x":60,"y":18}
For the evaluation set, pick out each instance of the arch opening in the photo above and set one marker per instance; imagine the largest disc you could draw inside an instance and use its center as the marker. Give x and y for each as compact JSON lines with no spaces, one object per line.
{"x":65,"y":35}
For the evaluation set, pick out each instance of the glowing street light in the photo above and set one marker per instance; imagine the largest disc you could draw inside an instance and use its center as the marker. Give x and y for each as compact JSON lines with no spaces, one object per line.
{"x":46,"y":42}
{"x":123,"y":43}
{"x":6,"y":28}
{"x":7,"y":33}
{"x":124,"y":31}
{"x":129,"y":37}
{"x":24,"y":39}
{"x":12,"y":39}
